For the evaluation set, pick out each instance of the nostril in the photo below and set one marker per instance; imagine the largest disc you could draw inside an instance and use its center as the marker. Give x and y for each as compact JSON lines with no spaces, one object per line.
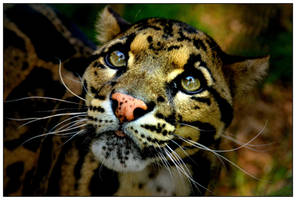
{"x":114,"y":104}
{"x":139,"y":112}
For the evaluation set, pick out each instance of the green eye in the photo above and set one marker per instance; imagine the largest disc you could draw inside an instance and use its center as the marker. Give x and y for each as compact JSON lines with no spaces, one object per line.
{"x":117,"y":59}
{"x":190,"y":84}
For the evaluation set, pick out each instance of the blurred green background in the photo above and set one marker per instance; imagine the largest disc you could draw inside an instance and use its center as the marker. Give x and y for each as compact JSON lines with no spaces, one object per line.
{"x":247,"y":30}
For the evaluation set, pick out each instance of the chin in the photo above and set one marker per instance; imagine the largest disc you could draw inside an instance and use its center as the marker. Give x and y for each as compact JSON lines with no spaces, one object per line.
{"x":118,"y":153}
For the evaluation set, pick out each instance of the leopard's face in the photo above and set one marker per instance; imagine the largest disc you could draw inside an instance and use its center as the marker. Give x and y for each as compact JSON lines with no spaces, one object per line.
{"x":151,"y":90}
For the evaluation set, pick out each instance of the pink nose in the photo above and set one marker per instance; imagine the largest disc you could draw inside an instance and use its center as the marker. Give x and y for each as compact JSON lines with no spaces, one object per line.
{"x":126,"y":106}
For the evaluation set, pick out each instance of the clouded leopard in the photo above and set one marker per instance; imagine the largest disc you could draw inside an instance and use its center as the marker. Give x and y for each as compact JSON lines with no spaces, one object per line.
{"x":140,"y":115}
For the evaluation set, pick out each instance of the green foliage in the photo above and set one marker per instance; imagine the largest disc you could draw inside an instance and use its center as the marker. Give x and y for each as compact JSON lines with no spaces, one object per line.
{"x":83,"y":15}
{"x":281,"y":62}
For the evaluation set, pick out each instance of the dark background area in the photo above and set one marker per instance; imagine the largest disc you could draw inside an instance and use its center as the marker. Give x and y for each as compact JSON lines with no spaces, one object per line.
{"x":246,"y":30}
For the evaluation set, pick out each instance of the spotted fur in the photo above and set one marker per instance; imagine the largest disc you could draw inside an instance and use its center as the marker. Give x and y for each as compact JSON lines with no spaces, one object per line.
{"x":155,"y":152}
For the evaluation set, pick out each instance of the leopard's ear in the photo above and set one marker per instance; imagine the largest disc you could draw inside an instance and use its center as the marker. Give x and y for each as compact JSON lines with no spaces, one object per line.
{"x":110,"y":24}
{"x":243,"y":73}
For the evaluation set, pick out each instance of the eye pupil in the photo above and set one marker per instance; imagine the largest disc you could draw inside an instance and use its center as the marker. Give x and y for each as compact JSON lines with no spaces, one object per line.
{"x":117,"y":59}
{"x":190,"y":83}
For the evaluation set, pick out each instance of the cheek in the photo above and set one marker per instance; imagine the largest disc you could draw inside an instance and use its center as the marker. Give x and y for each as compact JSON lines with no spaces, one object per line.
{"x":192,"y":110}
{"x":99,"y":76}
{"x":94,"y":79}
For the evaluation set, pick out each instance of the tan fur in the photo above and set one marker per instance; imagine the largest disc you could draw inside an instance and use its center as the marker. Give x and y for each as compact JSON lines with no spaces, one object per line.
{"x":159,"y":54}
{"x":107,"y":26}
{"x":153,"y":64}
{"x":246,"y":74}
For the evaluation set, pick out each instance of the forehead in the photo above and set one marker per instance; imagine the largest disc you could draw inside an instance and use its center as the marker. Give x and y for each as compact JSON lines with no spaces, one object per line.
{"x":173,"y":40}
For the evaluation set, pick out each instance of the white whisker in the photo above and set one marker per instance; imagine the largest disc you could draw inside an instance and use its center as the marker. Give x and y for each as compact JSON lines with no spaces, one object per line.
{"x":61,"y":77}
{"x":79,"y":132}
{"x":200,"y":146}
{"x":164,"y":161}
{"x":40,"y":97}
{"x":185,"y":171}
{"x":85,"y":89}
{"x":68,"y":119}
{"x":34,"y":119}
{"x":61,"y":109}
{"x":244,"y":145}
{"x":49,"y":116}
{"x":50,"y":133}
{"x":72,"y":124}
{"x":184,"y":124}
{"x":249,"y":145}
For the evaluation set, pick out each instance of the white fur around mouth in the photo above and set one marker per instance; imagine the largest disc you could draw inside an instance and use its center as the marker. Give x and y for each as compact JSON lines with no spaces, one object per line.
{"x":118,"y":153}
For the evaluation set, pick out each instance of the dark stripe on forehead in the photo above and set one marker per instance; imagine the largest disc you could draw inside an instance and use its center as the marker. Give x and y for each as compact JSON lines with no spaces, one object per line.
{"x":197,"y":58}
{"x":168,"y":29}
{"x":193,"y":58}
{"x":143,"y":24}
{"x":120,"y":46}
{"x":198,"y":43}
{"x":224,"y":106}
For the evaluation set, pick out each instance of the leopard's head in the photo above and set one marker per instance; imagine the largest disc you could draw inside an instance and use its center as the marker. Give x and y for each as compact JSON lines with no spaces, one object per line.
{"x":159,"y":91}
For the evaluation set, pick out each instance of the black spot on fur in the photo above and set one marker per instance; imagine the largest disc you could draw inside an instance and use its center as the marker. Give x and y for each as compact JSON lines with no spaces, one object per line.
{"x":28,"y":108}
{"x":140,"y":186}
{"x":199,"y":44}
{"x":196,"y":107}
{"x":97,"y":109}
{"x":182,"y":37}
{"x":168,"y":29}
{"x":141,"y":25}
{"x":149,"y":39}
{"x":45,"y":49}
{"x":99,"y":65}
{"x":159,"y":115}
{"x":25,"y":65}
{"x":14,"y":171}
{"x":152,"y":175}
{"x":101,"y":97}
{"x":173,"y":47}
{"x":207,"y":132}
{"x":92,"y":118}
{"x":93,"y":90}
{"x":27,"y":186}
{"x":104,"y":182}
{"x":158,"y":188}
{"x":202,"y":99}
{"x":11,"y":39}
